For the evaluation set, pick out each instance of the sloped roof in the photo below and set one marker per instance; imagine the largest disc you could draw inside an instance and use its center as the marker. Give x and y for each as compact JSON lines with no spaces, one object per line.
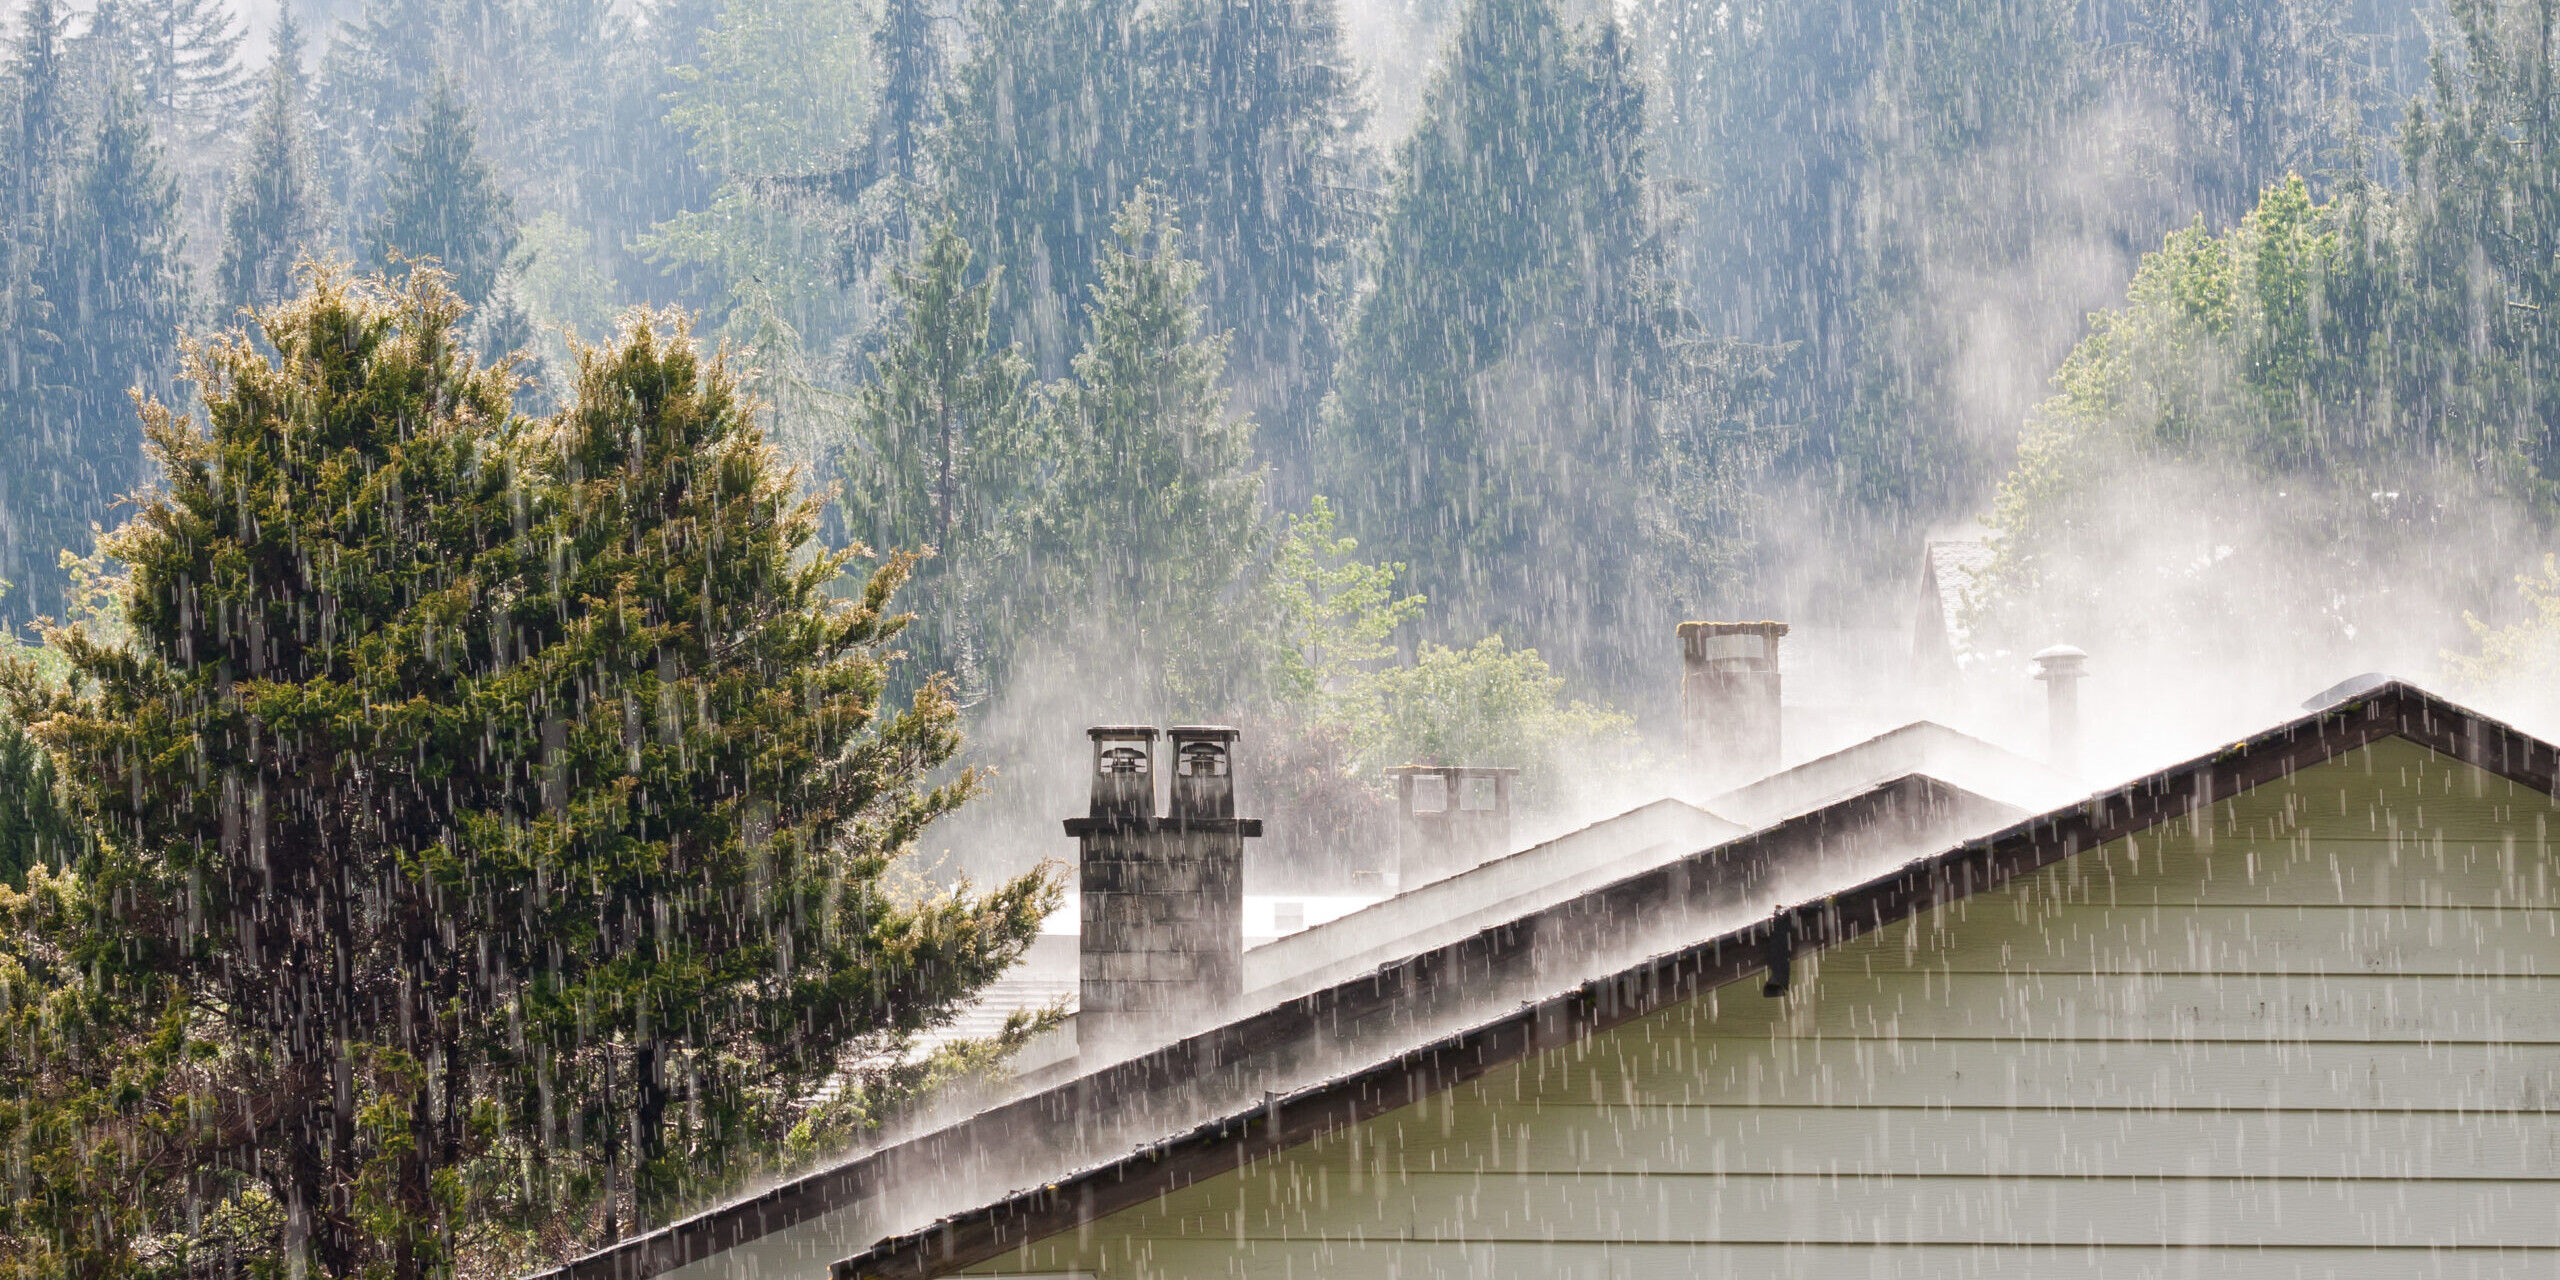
{"x":1832,"y":896}
{"x":1413,"y":921}
{"x":1293,"y":1045}
{"x":1610,"y":849}
{"x":1504,"y":888}
{"x":1947,"y":573}
{"x":1922,"y":746}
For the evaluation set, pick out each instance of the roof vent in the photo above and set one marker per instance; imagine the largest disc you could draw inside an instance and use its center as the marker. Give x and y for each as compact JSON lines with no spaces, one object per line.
{"x":2060,"y":667}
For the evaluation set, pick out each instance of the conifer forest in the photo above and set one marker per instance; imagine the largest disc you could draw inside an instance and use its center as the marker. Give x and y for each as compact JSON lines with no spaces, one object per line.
{"x":559,"y":553}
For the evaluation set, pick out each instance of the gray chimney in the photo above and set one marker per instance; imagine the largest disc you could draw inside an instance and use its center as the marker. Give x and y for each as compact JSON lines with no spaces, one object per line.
{"x":1729,"y":701}
{"x":1162,"y":897}
{"x":2061,"y":667}
{"x":1449,"y":819}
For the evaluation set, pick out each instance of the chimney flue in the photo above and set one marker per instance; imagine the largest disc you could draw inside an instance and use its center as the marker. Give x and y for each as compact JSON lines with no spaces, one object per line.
{"x":1729,"y":701}
{"x":1204,"y":784}
{"x":1162,"y":898}
{"x":1124,"y":771}
{"x":2061,"y":667}
{"x":1449,"y":819}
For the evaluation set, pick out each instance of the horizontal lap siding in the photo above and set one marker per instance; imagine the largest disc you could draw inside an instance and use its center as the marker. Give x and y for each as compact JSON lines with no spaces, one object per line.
{"x":1843,"y":1209}
{"x":2081,"y":1074}
{"x":1569,"y":1260}
{"x":2312,"y":1036}
{"x":2008,"y":1141}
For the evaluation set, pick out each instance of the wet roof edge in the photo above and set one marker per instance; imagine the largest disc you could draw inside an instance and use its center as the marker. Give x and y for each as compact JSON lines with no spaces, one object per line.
{"x":2397,"y":709}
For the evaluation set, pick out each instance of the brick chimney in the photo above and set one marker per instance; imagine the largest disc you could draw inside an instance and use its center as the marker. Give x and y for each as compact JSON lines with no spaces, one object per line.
{"x":1162,"y":897}
{"x":1449,"y":819}
{"x":1729,"y":701}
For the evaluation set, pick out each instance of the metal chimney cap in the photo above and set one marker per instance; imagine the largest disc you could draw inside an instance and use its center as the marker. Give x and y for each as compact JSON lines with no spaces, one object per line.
{"x":1215,"y":732}
{"x":1770,"y":629}
{"x":2059,"y":660}
{"x":1100,"y":731}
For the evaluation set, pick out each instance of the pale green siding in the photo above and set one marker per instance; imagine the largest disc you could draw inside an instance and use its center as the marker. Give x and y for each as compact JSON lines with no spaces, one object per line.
{"x":2316,"y":1035}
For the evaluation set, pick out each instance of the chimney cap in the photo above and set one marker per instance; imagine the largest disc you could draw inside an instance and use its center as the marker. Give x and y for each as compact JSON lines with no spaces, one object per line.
{"x":2059,"y":660}
{"x":1121,"y":731}
{"x":1770,"y":629}
{"x":1453,"y":770}
{"x":1217,"y":732}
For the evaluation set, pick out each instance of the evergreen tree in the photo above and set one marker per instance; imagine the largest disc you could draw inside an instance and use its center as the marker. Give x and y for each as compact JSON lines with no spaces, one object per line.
{"x":40,"y":114}
{"x":565,"y":151}
{"x":443,"y":202}
{"x":909,"y":105}
{"x":33,"y":166}
{"x":119,"y":291}
{"x":2470,"y":346}
{"x":271,"y":219}
{"x":39,"y":110}
{"x":941,"y":458}
{"x":1244,"y":116}
{"x":186,"y":65}
{"x":375,"y":80}
{"x":1499,"y":411}
{"x":100,"y":297}
{"x":1956,"y":166}
{"x":1761,"y":113}
{"x":1044,"y":145}
{"x":1885,"y":186}
{"x":500,"y":810}
{"x":633,"y":171}
{"x":35,"y":830}
{"x":2262,"y":88}
{"x":643,"y":171}
{"x":1258,"y":118}
{"x":38,"y":517}
{"x":868,"y":195}
{"x":1152,"y":509}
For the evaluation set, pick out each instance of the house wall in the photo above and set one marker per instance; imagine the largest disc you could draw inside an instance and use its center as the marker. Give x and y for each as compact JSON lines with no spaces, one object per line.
{"x":2317,"y":1034}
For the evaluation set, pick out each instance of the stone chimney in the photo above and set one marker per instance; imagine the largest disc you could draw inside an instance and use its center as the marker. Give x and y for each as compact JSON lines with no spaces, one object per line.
{"x":1729,"y":701}
{"x":2061,"y":667}
{"x":1162,"y":897}
{"x":1449,"y":819}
